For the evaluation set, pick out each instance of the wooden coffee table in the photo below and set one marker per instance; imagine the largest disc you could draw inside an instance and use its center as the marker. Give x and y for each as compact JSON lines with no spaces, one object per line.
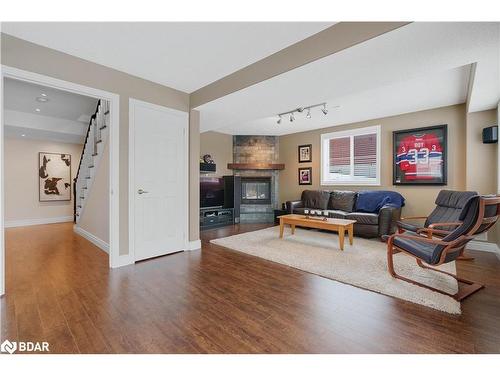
{"x":335,"y":225}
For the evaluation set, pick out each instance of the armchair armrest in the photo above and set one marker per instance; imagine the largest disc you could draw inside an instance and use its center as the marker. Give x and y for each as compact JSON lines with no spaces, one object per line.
{"x":387,"y":219}
{"x":437,"y":225}
{"x":432,"y":230}
{"x":292,"y":205}
{"x":413,"y":218}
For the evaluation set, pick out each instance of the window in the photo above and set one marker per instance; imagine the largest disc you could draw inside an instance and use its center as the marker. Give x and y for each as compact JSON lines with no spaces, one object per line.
{"x":351,"y":157}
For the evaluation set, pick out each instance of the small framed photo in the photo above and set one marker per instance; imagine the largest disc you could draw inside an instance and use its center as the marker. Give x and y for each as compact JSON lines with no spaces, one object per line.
{"x":305,"y":176}
{"x":305,"y":153}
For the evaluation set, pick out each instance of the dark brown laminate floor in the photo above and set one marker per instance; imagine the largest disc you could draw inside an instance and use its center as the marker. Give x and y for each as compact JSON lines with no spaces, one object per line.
{"x":60,"y":290}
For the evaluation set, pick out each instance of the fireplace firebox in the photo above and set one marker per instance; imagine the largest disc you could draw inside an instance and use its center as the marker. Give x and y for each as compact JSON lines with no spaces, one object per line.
{"x":256,"y":190}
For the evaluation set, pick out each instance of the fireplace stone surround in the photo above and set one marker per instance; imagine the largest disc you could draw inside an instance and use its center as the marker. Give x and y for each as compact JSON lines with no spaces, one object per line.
{"x":249,"y":149}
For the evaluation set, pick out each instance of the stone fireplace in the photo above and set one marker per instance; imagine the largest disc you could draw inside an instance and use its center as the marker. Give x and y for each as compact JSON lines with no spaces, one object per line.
{"x":255,"y":159}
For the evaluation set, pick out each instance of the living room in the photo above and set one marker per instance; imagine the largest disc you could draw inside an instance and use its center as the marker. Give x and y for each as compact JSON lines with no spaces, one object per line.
{"x":321,"y":187}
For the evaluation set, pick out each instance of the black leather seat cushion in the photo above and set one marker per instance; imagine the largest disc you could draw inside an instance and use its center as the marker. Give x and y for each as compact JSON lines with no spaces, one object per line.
{"x":408,"y":226}
{"x":342,"y":200}
{"x":420,"y":249}
{"x":337,"y":214}
{"x":363,"y":218}
{"x":449,"y":205}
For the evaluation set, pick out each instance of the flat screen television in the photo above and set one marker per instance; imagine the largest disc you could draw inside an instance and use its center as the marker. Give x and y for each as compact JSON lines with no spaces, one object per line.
{"x":211,"y":192}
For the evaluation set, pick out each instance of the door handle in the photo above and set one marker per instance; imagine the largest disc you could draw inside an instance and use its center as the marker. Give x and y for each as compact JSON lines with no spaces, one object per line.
{"x":141,"y":191}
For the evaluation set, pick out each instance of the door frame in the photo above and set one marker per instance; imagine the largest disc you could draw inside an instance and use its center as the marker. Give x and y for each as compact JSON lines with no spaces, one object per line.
{"x":114,"y":99}
{"x":131,"y":173}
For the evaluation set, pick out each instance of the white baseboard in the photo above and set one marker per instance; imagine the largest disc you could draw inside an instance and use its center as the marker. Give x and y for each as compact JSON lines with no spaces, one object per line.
{"x":194,"y":245}
{"x":489,"y":247}
{"x":41,"y":221}
{"x":123,"y":260}
{"x":89,"y":236}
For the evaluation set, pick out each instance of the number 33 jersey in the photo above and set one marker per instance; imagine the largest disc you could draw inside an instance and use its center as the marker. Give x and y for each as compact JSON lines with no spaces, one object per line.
{"x":420,"y":157}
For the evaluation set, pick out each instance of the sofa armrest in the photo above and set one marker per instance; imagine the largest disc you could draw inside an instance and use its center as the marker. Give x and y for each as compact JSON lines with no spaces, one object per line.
{"x":388,"y":216}
{"x":292,"y":205}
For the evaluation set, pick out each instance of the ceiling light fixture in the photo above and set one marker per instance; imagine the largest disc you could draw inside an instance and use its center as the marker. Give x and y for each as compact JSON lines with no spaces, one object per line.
{"x":302,"y":109}
{"x":42,"y":99}
{"x":37,"y":109}
{"x":23,"y":135}
{"x":43,"y":94}
{"x":324,"y":110}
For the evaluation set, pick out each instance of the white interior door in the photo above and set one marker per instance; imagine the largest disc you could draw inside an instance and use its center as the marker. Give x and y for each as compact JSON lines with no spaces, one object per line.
{"x":158,"y":180}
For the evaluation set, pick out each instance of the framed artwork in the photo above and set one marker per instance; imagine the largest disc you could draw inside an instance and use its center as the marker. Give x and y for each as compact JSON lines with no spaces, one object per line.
{"x":420,"y":156}
{"x":305,"y":176}
{"x":305,"y":153}
{"x":54,"y":177}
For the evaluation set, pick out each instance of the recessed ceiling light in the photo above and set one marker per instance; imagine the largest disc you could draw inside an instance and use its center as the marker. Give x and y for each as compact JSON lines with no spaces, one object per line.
{"x":42,"y":94}
{"x":37,"y":109}
{"x":23,"y":135}
{"x":42,"y":99}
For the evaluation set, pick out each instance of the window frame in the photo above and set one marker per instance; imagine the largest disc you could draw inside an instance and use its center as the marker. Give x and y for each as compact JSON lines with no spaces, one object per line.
{"x":325,"y":179}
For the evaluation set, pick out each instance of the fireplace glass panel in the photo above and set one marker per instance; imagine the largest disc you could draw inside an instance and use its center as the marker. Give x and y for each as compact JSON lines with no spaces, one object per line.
{"x":256,"y":191}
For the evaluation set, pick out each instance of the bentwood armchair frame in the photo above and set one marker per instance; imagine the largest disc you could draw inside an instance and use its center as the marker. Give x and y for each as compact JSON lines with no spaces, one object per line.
{"x":450,"y":248}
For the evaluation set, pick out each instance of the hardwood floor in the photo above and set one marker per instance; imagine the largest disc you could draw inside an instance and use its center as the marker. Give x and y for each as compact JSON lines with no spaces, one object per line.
{"x":60,"y":290}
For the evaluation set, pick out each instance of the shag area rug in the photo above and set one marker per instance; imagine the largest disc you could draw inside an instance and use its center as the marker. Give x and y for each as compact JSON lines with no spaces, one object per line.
{"x":364,"y":264}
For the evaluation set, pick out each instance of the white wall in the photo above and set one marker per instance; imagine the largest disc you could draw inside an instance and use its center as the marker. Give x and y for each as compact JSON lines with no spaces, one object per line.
{"x":95,"y":217}
{"x":22,"y":205}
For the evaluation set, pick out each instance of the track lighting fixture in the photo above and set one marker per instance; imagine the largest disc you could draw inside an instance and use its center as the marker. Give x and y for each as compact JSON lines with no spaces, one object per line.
{"x":324,"y":110}
{"x":302,"y":109}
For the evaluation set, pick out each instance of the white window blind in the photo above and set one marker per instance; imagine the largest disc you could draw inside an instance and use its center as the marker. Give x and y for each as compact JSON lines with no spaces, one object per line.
{"x":351,"y":157}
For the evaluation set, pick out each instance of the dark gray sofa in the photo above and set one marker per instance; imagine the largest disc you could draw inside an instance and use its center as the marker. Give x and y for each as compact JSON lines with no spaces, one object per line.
{"x":341,"y":205}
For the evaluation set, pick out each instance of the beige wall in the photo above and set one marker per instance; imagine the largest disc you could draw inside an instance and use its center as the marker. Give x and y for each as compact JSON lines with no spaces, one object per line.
{"x":194,"y":175}
{"x":34,"y":58}
{"x":220,"y":146}
{"x":21,"y":179}
{"x":419,"y":199}
{"x":481,"y":167}
{"x":95,"y":218}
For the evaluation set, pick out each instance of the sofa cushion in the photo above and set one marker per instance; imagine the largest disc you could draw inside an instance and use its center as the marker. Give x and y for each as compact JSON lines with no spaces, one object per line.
{"x":315,"y":199}
{"x":363,"y":218}
{"x":337,"y":214}
{"x":342,"y":200}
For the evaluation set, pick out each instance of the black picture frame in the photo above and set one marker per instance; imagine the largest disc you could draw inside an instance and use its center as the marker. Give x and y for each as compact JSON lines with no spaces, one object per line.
{"x":437,"y":138}
{"x":309,"y":153}
{"x":301,"y":175}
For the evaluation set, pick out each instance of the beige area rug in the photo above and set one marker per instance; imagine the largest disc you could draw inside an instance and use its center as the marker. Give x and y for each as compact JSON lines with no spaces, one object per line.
{"x":363,"y":264}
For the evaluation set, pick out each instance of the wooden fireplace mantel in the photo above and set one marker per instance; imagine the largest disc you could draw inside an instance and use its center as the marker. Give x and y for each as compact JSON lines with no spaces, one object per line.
{"x":261,"y":166}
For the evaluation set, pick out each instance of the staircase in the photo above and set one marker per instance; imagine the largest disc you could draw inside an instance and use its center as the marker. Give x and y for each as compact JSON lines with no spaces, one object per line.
{"x":92,"y":153}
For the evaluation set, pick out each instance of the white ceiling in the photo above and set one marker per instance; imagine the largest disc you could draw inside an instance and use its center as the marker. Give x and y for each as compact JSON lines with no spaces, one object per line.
{"x":185,"y":56}
{"x":416,"y":67}
{"x":64,"y":118}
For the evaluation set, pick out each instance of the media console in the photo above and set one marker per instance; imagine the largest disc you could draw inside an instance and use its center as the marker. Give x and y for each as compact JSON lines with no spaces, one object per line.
{"x":215,"y":217}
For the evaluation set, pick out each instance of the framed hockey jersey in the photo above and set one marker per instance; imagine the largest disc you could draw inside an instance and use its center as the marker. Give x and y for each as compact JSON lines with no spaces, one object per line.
{"x":420,"y":156}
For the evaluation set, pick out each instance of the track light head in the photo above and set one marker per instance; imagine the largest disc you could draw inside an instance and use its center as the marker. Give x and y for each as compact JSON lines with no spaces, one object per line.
{"x":324,"y":110}
{"x":279,"y":120}
{"x":308,"y":113}
{"x":292,"y":117}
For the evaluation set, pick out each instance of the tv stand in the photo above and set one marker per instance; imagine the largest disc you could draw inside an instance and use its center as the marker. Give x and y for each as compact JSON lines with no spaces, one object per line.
{"x":216,"y":217}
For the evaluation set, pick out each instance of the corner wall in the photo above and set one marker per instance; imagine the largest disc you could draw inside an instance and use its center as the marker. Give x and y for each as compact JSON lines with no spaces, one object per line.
{"x":419,"y":199}
{"x":28,"y":56}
